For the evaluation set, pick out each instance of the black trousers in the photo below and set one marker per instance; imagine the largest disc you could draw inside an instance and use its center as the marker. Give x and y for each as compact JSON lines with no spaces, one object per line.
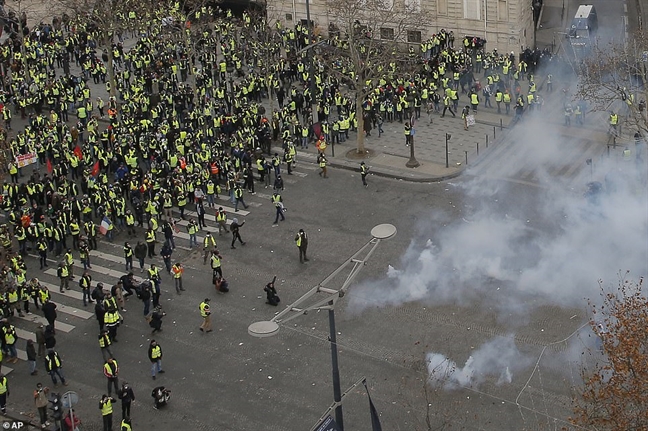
{"x":107,"y":422}
{"x":126,"y":409}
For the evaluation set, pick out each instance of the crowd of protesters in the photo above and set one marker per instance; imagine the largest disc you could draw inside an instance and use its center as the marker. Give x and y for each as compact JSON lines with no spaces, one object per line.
{"x":177,"y":126}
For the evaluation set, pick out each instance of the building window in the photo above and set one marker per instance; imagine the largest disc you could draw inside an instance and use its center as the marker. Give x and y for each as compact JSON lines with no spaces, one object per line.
{"x":442,"y":7}
{"x":502,"y":10}
{"x":414,"y":36}
{"x":472,"y":9}
{"x":386,"y":33}
{"x":413,"y":6}
{"x":288,"y":17}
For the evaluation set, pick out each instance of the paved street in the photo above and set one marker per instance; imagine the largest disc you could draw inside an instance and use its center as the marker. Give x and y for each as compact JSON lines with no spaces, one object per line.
{"x":227,"y":380}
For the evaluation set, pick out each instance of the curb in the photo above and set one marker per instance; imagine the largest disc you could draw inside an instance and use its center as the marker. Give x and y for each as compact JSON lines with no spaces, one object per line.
{"x":351,"y":165}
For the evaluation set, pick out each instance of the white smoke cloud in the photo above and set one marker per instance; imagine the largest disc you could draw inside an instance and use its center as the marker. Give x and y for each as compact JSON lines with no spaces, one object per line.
{"x":497,"y":359}
{"x":506,"y":248}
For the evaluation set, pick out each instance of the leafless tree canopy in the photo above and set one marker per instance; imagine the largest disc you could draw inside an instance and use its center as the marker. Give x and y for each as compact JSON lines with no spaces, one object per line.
{"x":613,"y":77}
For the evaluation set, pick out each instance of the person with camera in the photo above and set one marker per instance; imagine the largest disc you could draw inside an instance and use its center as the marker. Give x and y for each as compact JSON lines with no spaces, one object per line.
{"x":106,"y":407}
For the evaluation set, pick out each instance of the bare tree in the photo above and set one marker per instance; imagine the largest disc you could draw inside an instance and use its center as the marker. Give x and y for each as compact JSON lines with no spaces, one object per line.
{"x":19,"y":17}
{"x":191,"y":24}
{"x":613,"y":78}
{"x":108,"y":20}
{"x":613,"y":396}
{"x":369,"y":43}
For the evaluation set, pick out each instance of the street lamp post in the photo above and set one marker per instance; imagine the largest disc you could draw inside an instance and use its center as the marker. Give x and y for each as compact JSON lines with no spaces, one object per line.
{"x":309,"y":302}
{"x":447,"y":138}
{"x":412,"y":162}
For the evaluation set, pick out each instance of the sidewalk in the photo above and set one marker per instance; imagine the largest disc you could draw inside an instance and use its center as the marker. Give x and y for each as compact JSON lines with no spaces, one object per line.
{"x":388,"y":154}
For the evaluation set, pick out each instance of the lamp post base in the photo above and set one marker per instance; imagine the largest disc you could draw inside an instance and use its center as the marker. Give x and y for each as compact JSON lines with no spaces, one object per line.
{"x":412,"y":163}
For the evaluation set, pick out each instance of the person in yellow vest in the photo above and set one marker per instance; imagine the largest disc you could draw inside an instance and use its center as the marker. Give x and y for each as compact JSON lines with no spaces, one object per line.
{"x":104,"y":344}
{"x":322,"y":162}
{"x":64,"y":275}
{"x":106,"y":407}
{"x":13,"y":171}
{"x":125,"y":425}
{"x":69,"y":263}
{"x":4,"y":393}
{"x":205,"y":313}
{"x":155,"y":356}
{"x":177,"y":271}
{"x":221,"y":219}
{"x":301,"y":240}
{"x":474,"y":101}
{"x":614,"y":121}
{"x":111,"y":371}
{"x":150,"y":243}
{"x":54,"y":367}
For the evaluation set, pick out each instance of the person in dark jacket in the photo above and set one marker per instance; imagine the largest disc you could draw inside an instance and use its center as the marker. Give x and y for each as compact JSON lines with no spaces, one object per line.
{"x":100,"y":313}
{"x":31,"y":357}
{"x":140,"y":254}
{"x":156,"y":320}
{"x":50,"y":340}
{"x":49,"y":311}
{"x":167,"y":229}
{"x":127,"y":396}
{"x":234,"y":228}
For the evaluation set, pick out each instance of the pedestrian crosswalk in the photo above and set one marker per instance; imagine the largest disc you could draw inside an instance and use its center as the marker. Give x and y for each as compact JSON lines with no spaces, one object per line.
{"x":108,"y":265}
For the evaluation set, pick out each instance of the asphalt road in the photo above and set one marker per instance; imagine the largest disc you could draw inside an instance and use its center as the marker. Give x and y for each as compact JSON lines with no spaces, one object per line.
{"x":228,"y":380}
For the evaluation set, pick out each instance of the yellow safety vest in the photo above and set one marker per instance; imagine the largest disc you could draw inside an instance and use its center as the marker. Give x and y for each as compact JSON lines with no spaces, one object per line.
{"x":204,"y":309}
{"x":106,"y":408}
{"x":156,"y":352}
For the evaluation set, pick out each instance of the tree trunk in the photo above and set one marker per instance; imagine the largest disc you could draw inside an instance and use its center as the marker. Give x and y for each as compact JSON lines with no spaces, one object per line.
{"x":110,"y":67}
{"x":361,"y":136}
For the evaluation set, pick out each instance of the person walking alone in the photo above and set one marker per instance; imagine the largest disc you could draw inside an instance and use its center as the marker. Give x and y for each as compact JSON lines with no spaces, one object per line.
{"x":364,"y":170}
{"x":234,"y":227}
{"x":155,"y":356}
{"x":301,"y":240}
{"x":205,"y":313}
{"x":277,"y":201}
{"x":238,"y":194}
{"x":54,"y":367}
{"x":177,"y":271}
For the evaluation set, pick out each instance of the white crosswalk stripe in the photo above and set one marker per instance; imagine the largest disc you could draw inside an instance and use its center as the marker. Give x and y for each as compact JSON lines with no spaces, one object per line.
{"x":60,"y":326}
{"x":70,"y":302}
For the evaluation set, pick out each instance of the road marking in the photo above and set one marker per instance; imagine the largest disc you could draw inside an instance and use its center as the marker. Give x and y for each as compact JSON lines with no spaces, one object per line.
{"x":299,"y":174}
{"x":54,"y":289}
{"x":25,"y":335}
{"x":62,"y":326}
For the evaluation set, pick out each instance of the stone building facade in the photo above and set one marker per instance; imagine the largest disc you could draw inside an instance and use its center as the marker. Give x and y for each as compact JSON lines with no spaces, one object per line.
{"x":505,"y":24}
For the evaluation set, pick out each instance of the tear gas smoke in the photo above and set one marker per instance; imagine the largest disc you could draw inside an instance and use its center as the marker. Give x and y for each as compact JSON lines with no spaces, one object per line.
{"x":552,"y":246}
{"x":497,"y":359}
